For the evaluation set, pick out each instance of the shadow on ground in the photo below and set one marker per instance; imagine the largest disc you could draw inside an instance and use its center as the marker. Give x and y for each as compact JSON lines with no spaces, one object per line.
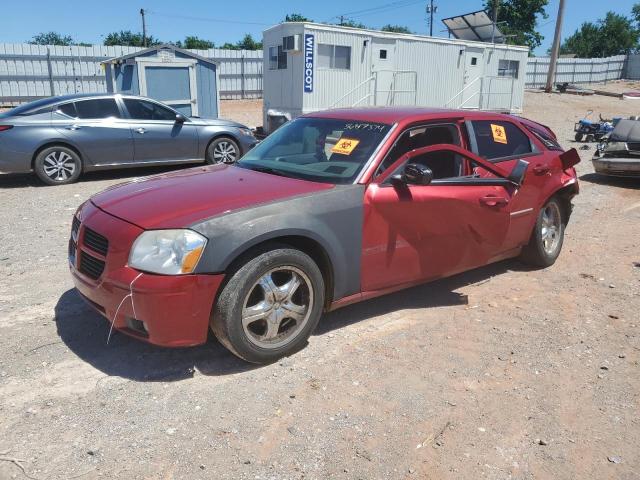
{"x":620,"y":182}
{"x":85,"y":332}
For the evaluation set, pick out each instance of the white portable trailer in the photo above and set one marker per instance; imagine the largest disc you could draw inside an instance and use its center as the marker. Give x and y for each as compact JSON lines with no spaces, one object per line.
{"x":310,"y":67}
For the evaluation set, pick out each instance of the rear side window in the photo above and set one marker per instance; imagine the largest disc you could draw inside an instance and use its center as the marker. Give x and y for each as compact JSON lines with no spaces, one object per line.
{"x":99,"y":108}
{"x":546,"y":139}
{"x":69,"y":109}
{"x":496,"y":139}
{"x":141,"y":110}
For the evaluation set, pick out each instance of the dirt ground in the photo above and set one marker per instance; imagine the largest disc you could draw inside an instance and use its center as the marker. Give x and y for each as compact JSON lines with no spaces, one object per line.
{"x":535,"y":376}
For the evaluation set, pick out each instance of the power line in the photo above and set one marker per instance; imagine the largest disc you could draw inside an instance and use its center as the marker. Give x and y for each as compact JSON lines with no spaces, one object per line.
{"x":205,"y":19}
{"x":373,"y":10}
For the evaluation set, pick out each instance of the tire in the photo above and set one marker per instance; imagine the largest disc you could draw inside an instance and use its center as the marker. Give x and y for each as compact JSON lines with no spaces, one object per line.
{"x":266,"y":332}
{"x":578,"y":137}
{"x":548,"y":235}
{"x":58,"y":165}
{"x":222,"y":150}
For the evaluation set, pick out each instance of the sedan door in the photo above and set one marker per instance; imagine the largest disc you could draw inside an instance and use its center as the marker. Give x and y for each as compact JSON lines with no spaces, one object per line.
{"x":158,"y":137}
{"x":96,"y":128}
{"x":413,"y":233}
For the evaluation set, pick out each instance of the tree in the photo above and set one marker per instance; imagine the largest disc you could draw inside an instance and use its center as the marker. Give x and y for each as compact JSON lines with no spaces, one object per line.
{"x":296,"y":17}
{"x":519,"y":17}
{"x":395,"y":28}
{"x":51,"y":38}
{"x":196,"y":43}
{"x":129,"y":39}
{"x":613,"y":35}
{"x":247,"y":43}
{"x":347,"y":22}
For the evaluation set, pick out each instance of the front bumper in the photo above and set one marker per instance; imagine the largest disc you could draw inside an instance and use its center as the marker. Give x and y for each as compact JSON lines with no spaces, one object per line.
{"x":165,"y":310}
{"x":617,"y":166}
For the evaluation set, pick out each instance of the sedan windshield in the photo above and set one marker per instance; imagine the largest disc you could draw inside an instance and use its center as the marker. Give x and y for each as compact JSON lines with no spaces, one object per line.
{"x":318,"y":149}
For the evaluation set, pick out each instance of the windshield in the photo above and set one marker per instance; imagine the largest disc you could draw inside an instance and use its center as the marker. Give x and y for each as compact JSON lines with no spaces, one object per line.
{"x":318,"y":149}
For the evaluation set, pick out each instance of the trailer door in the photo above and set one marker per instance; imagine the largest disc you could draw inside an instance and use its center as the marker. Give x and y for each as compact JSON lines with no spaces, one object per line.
{"x":383,"y":66}
{"x":473,"y":71}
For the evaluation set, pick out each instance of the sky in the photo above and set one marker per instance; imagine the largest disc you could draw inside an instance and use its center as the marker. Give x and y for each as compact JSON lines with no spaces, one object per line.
{"x":219,"y":21}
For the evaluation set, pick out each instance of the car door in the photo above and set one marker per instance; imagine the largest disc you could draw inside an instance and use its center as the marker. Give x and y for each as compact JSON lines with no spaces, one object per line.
{"x":96,"y":127}
{"x":414,"y":233}
{"x":157,"y":136}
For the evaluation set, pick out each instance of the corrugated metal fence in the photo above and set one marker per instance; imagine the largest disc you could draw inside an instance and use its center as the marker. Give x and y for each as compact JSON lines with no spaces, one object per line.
{"x":576,"y":70}
{"x":29,"y":71}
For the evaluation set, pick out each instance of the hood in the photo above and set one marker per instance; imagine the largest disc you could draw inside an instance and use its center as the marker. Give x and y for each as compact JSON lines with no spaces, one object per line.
{"x":179,"y":199}
{"x":216,"y":122}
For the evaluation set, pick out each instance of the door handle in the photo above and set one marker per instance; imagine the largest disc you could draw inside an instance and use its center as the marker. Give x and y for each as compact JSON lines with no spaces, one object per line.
{"x":140,"y":130}
{"x":73,"y":127}
{"x":541,"y":169}
{"x":490,"y":201}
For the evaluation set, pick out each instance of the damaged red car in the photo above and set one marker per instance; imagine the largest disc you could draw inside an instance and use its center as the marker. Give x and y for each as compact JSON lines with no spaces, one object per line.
{"x":333,"y":208}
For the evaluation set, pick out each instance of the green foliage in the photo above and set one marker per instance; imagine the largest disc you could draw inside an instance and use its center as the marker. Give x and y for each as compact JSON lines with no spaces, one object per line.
{"x":347,"y":22}
{"x":51,"y":38}
{"x":296,"y":17}
{"x":613,"y":35}
{"x":519,"y":17}
{"x":247,"y":43}
{"x":196,"y":43}
{"x":396,"y":29}
{"x":129,"y":39}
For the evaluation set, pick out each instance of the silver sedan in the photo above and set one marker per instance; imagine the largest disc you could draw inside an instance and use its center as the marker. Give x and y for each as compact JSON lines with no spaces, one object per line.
{"x":58,"y":138}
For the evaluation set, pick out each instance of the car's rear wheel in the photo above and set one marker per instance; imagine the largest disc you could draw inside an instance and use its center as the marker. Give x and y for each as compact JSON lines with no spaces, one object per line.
{"x":223,"y":150}
{"x":547,"y":236}
{"x":269,"y":306}
{"x":58,"y":165}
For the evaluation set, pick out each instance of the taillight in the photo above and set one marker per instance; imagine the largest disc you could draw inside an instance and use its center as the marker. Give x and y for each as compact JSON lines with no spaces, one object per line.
{"x":5,"y":127}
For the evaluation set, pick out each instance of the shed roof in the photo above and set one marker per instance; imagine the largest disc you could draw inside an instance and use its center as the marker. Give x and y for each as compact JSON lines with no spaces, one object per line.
{"x":157,"y":48}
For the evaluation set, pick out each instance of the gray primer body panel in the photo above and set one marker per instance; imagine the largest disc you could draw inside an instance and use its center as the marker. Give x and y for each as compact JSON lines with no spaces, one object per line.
{"x":333,"y":218}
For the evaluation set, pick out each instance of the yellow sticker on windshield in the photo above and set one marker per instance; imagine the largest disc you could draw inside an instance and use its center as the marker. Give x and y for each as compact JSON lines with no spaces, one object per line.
{"x":499,"y":134}
{"x":345,"y":146}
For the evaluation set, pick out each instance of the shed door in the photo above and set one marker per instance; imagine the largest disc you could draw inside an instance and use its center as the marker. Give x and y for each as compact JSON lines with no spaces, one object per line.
{"x":174,"y":85}
{"x":473,"y":71}
{"x":383,"y":66}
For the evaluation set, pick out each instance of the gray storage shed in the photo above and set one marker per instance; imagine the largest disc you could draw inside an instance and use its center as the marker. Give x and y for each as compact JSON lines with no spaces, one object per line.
{"x":177,"y":77}
{"x":309,"y":67}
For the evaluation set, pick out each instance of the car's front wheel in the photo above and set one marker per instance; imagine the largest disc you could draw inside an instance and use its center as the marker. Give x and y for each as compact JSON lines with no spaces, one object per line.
{"x":547,"y":236}
{"x":270,"y":305}
{"x":58,"y":165}
{"x":223,"y":150}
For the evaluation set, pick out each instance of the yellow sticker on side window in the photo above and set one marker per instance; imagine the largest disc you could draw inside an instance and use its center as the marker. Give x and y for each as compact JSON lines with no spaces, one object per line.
{"x":345,"y":146}
{"x":499,"y":134}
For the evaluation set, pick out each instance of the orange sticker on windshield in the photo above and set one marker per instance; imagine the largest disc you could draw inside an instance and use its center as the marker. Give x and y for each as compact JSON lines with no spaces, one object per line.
{"x":499,"y":134}
{"x":345,"y":146}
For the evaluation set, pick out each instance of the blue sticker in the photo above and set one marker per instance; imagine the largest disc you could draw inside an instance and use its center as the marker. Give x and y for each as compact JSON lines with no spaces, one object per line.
{"x":309,"y":41}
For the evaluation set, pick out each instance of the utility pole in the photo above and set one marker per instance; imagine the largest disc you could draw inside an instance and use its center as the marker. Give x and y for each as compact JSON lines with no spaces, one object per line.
{"x":551,"y":74}
{"x":496,"y":5}
{"x":431,"y":9}
{"x":144,"y":28}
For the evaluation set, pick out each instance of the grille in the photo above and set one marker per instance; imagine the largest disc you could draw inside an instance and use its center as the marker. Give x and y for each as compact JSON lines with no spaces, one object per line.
{"x":633,"y":146}
{"x":75,"y":226}
{"x":95,"y":241}
{"x":91,"y":266}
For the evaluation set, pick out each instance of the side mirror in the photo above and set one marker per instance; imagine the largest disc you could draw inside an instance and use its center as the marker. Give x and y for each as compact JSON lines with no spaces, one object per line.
{"x":414,"y":174}
{"x":180,"y":118}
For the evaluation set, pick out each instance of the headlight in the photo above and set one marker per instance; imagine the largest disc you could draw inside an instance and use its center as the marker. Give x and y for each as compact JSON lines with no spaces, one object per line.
{"x":246,"y":131}
{"x":170,"y":252}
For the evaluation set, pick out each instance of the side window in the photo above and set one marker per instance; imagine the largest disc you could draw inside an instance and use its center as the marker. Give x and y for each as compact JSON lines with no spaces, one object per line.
{"x":99,"y":108}
{"x":426,"y":136}
{"x":334,"y":56}
{"x":69,"y":109}
{"x":142,"y":110}
{"x":497,"y":139}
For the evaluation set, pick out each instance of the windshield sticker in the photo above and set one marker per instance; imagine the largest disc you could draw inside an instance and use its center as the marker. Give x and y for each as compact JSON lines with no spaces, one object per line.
{"x":345,"y":146}
{"x":367,"y":127}
{"x":499,"y":134}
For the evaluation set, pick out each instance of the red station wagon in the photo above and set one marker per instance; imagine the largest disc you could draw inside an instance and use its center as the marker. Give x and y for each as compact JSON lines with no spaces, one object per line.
{"x":333,"y":208}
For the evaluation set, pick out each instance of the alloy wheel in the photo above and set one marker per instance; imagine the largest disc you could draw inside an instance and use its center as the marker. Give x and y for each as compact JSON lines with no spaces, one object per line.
{"x":551,"y":226}
{"x":59,"y":166}
{"x":225,"y":152}
{"x":277,"y":307}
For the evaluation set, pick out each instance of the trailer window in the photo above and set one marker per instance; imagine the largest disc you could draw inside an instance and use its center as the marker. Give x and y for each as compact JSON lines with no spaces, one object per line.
{"x":277,"y":58}
{"x":508,"y":68}
{"x":334,"y":56}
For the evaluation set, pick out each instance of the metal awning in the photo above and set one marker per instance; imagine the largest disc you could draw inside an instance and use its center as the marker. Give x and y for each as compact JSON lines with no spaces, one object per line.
{"x":475,"y":26}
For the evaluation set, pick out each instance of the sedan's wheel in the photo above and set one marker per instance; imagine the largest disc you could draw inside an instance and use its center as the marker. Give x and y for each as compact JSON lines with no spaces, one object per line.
{"x":270,"y":305}
{"x":58,"y":165}
{"x":547,"y":237}
{"x":223,"y":150}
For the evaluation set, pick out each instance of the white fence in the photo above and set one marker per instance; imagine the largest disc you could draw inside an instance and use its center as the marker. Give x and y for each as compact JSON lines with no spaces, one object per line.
{"x":29,"y":71}
{"x":576,"y":70}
